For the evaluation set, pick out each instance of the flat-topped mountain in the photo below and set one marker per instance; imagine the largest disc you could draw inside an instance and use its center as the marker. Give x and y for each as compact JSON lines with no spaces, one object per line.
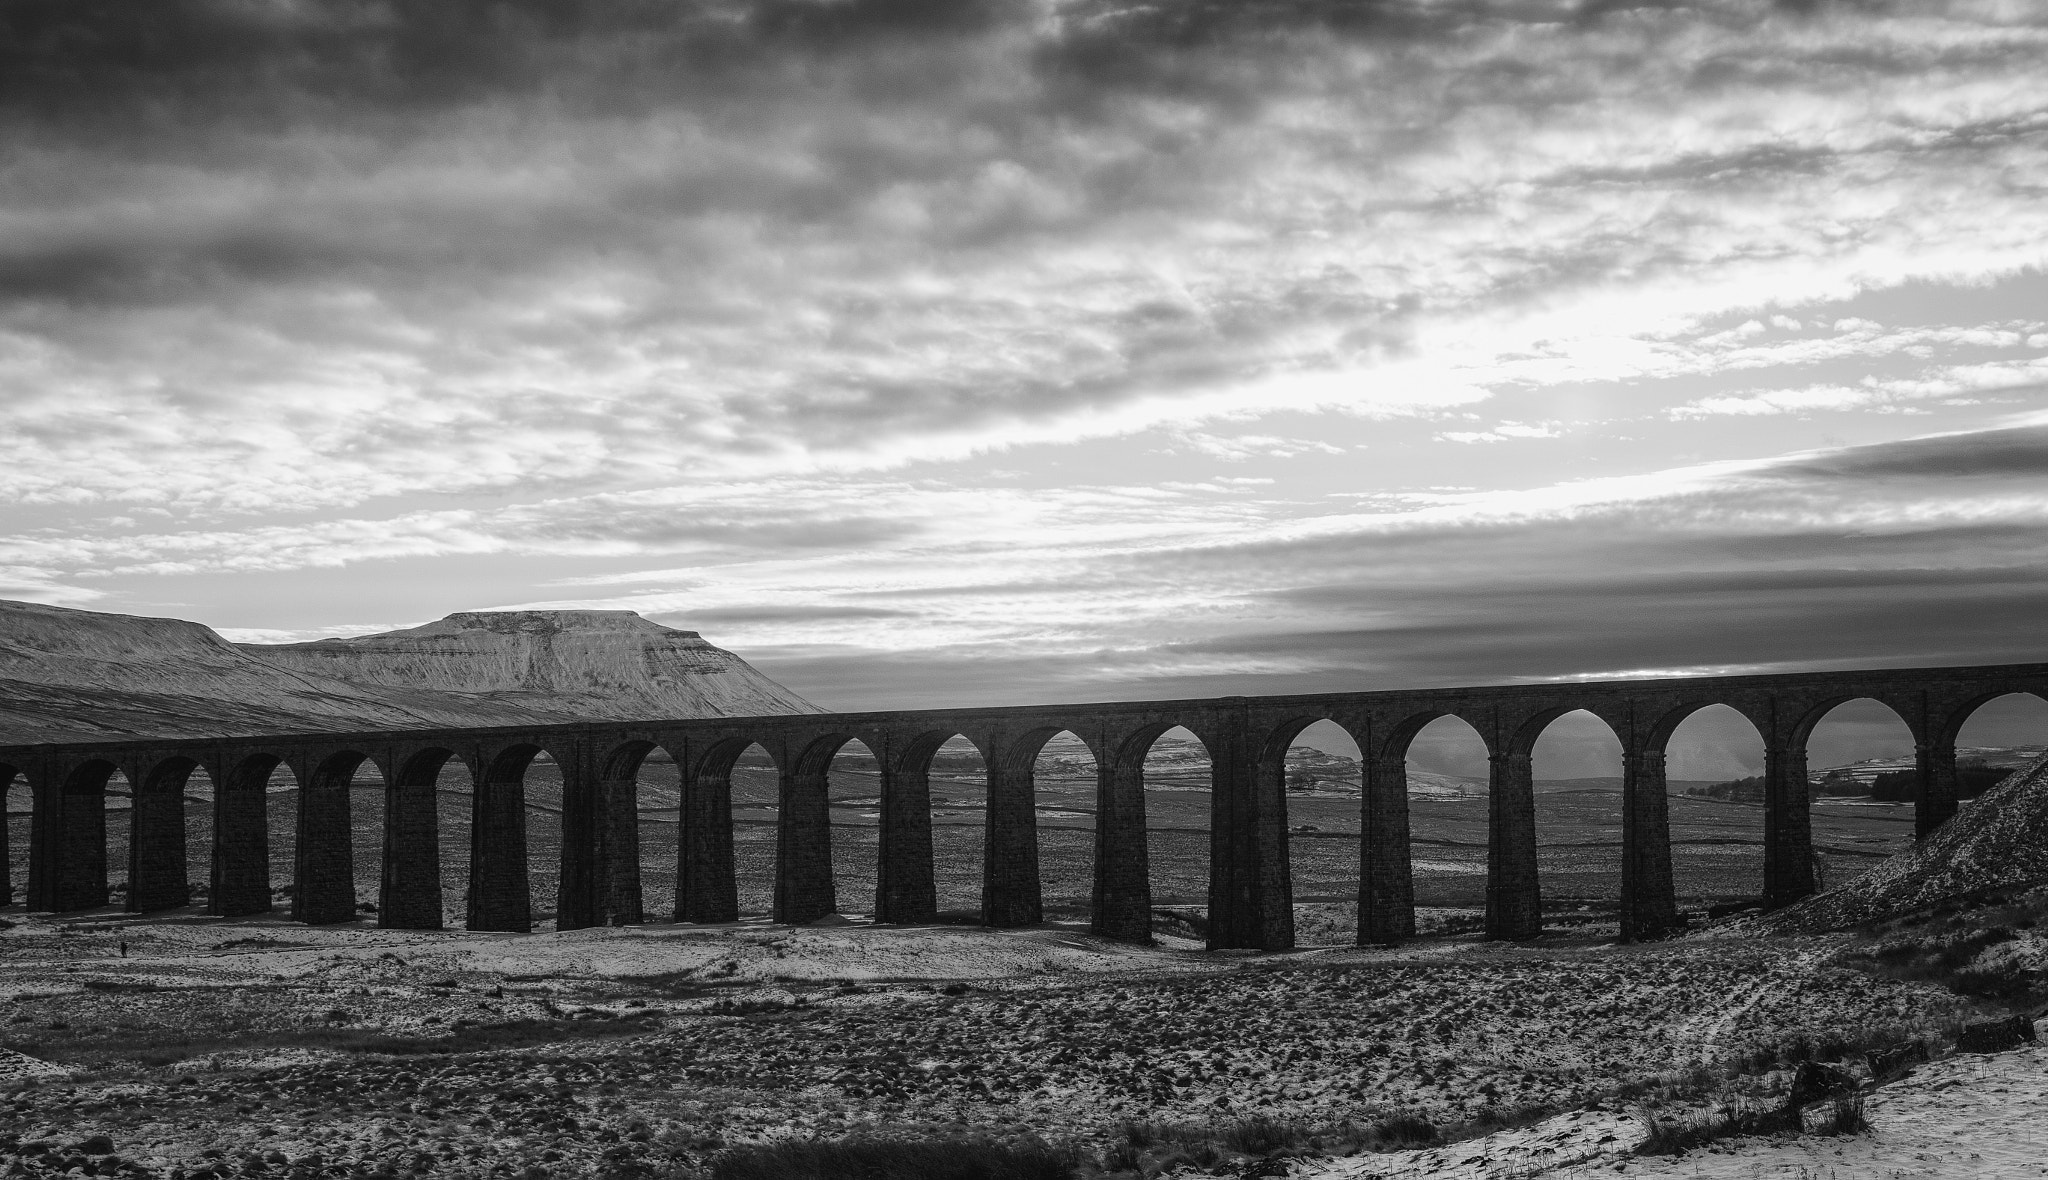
{"x":567,"y":665}
{"x":75,"y":675}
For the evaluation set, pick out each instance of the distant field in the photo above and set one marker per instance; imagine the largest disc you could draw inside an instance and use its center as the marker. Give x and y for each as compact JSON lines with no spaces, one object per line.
{"x":1716,"y":846}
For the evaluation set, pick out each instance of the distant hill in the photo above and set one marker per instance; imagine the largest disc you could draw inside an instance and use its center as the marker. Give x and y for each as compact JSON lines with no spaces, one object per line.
{"x":1888,"y":780}
{"x":73,"y":675}
{"x":561,"y":665}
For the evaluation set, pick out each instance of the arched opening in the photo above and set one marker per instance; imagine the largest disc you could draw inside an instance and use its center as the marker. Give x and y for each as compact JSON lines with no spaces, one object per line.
{"x":544,"y":835}
{"x":454,"y":802}
{"x":958,"y":782}
{"x":1852,"y":743}
{"x":281,"y":806}
{"x":1322,"y":780}
{"x":198,"y":796}
{"x":454,"y":814}
{"x":1997,"y":737}
{"x":1575,"y":767}
{"x":1714,"y":784}
{"x":1848,"y":748}
{"x":1446,"y":769}
{"x":118,"y":797}
{"x":752,"y":785}
{"x":1178,"y":796}
{"x":16,"y":801}
{"x":1064,"y":777}
{"x":657,"y":798}
{"x":853,"y":787}
{"x":366,"y":817}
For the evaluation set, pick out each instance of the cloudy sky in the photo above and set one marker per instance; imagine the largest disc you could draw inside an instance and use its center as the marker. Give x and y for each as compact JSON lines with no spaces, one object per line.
{"x":929,"y":352}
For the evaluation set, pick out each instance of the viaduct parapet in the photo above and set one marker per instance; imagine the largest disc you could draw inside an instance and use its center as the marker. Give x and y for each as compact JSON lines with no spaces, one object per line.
{"x":1250,"y":890}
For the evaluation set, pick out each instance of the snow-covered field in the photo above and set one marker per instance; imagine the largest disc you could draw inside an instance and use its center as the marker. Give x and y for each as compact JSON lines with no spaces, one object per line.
{"x":663,"y":1043}
{"x":1967,"y":1117}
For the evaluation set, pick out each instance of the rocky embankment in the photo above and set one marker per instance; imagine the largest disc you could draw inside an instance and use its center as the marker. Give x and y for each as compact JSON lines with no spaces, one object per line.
{"x":1998,"y":841}
{"x":72,"y":675}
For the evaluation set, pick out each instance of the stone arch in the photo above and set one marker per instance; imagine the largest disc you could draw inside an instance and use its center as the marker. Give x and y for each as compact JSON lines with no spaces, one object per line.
{"x":1794,"y":864}
{"x":1810,"y":723}
{"x":156,"y":837}
{"x":616,"y":833}
{"x":1819,"y":711}
{"x":1319,"y":853}
{"x":1273,"y":753}
{"x":90,"y":776}
{"x":169,"y":773}
{"x":1951,"y":726}
{"x":912,"y":844}
{"x":623,"y":760}
{"x":1571,"y":822}
{"x":1021,"y":752}
{"x":1398,"y":737}
{"x":508,"y":762}
{"x":1124,"y":839}
{"x":1014,"y":872}
{"x":1714,"y":841}
{"x":1957,"y":778}
{"x":1451,"y":876}
{"x":409,"y":893}
{"x":323,"y":857}
{"x":816,"y":755}
{"x":238,"y":878}
{"x":806,"y":888}
{"x":1667,"y":722}
{"x":500,"y":895}
{"x":1522,"y":740}
{"x":707,"y":877}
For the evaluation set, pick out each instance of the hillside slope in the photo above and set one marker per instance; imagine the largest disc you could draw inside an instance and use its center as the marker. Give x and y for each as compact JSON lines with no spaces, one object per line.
{"x":73,"y":675}
{"x":2000,"y":839}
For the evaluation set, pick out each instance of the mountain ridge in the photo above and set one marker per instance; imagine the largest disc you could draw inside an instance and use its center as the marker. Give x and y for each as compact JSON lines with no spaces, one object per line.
{"x":76,"y":675}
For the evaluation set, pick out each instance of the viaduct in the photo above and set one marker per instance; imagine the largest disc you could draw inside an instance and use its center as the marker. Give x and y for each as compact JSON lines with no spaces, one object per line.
{"x":1250,"y":891}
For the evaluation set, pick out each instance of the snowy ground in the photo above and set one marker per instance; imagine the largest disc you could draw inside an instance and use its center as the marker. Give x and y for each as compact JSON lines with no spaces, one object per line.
{"x":319,"y":1046}
{"x":1975,"y":1116}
